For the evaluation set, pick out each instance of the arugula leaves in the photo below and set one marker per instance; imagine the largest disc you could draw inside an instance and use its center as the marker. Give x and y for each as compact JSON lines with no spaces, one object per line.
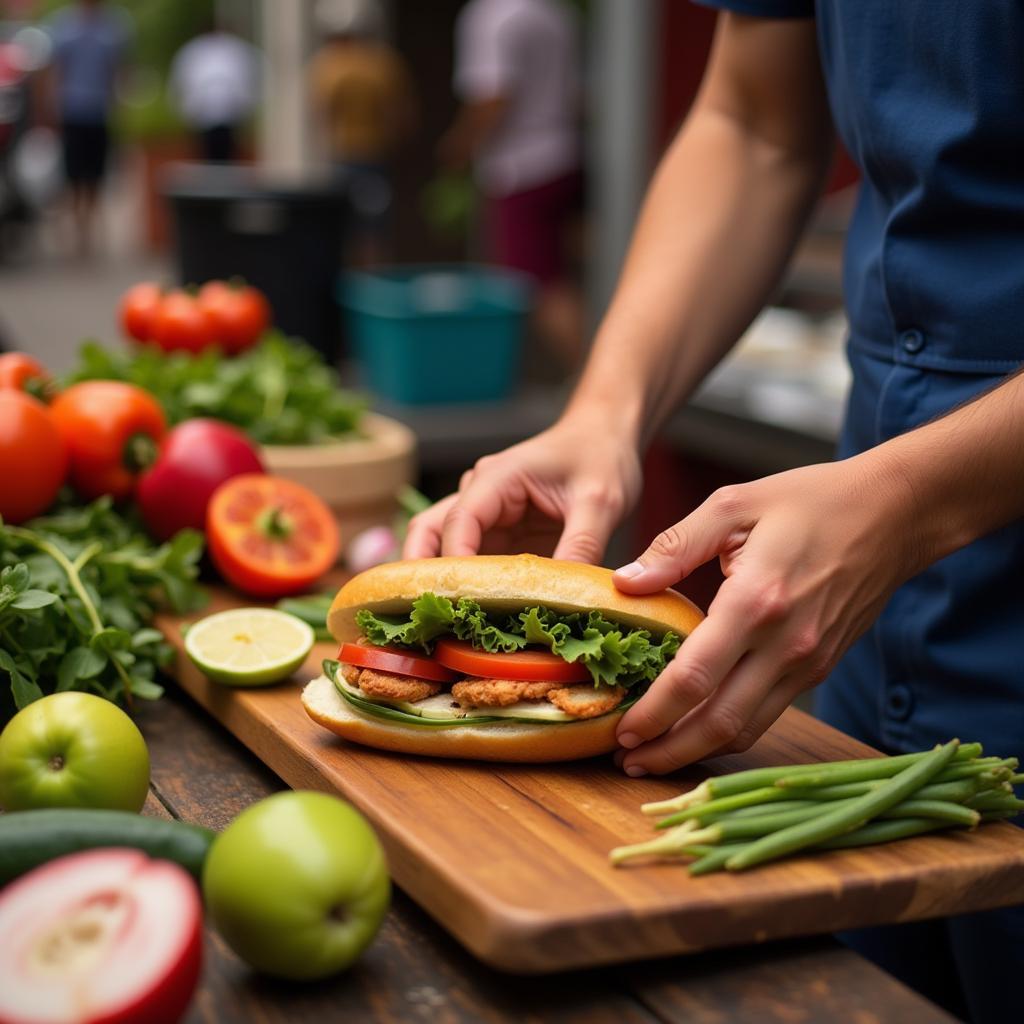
{"x":613,"y":654}
{"x":78,"y":590}
{"x":279,"y":392}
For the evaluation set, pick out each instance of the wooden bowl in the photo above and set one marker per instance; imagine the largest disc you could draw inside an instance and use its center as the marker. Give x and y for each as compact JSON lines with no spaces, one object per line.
{"x":359,"y":478}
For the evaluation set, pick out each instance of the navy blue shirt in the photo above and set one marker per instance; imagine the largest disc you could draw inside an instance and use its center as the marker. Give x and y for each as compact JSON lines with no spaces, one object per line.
{"x":928,"y":98}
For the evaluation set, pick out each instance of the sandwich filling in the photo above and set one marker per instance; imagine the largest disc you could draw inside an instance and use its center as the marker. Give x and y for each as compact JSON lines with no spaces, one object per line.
{"x":448,"y":661}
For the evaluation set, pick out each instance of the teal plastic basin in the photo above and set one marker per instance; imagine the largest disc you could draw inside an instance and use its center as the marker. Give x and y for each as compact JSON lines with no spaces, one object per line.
{"x":434,"y":334}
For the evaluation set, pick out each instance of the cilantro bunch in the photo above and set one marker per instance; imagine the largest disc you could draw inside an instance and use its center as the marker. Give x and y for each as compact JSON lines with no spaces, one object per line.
{"x":78,"y":592}
{"x":615,"y":655}
{"x":279,"y":392}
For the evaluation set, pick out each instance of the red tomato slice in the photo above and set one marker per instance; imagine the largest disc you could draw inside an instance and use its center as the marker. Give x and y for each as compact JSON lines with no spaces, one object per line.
{"x":397,"y":661}
{"x":103,"y":935}
{"x":528,"y":666}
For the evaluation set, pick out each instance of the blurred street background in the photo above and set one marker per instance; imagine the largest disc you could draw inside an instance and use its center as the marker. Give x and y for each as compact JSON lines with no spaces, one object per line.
{"x":302,"y":144}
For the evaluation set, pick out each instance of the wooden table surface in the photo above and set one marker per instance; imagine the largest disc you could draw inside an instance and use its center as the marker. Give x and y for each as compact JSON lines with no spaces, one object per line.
{"x":414,"y":972}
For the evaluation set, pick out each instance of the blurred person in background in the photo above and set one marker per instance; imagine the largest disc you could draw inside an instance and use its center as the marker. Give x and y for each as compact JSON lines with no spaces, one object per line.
{"x":90,"y":43}
{"x":362,"y":94}
{"x":215,"y":85}
{"x":517,"y":74}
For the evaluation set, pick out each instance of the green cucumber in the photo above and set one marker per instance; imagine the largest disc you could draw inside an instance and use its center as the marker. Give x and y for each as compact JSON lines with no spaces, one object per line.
{"x":31,"y":838}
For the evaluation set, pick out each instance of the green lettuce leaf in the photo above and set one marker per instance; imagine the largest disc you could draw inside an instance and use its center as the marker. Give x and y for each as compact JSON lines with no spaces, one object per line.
{"x":431,"y":616}
{"x":473,"y":624}
{"x":613,"y":654}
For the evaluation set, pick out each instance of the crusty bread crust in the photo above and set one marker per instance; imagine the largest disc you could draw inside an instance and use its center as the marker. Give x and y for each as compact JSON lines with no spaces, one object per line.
{"x":507,"y":583}
{"x":526,"y":742}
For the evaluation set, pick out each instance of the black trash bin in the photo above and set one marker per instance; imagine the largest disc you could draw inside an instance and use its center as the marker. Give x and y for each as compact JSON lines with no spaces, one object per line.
{"x":284,"y":239}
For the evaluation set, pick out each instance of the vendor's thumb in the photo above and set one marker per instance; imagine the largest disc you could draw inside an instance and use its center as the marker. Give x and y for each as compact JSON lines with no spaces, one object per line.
{"x":680,"y":549}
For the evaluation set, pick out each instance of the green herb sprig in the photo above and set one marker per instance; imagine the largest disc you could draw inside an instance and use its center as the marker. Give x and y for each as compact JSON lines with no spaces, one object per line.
{"x":78,"y":592}
{"x":279,"y":392}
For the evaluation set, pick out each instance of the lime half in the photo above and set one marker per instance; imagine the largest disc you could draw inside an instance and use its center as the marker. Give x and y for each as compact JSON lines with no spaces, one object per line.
{"x":249,"y":646}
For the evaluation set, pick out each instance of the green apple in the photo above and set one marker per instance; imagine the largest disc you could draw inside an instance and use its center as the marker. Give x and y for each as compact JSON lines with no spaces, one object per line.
{"x":73,"y":750}
{"x":297,"y":885}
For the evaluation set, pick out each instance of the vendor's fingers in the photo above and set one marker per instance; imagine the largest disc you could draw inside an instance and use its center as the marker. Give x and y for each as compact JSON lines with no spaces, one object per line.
{"x":588,"y":525}
{"x":423,"y":537}
{"x":772,"y":707}
{"x":725,"y":716}
{"x":707,"y":656}
{"x":705,"y":533}
{"x":482,"y":505}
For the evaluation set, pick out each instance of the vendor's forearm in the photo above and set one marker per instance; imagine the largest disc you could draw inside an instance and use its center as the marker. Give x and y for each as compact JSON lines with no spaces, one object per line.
{"x":720,"y":221}
{"x":961,"y":476}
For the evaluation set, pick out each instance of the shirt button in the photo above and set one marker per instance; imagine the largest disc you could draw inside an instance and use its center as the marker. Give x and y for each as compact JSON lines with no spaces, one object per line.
{"x":912,"y":340}
{"x":899,"y":702}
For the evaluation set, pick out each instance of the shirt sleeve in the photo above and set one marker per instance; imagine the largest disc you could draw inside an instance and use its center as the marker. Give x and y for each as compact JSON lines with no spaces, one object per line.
{"x":764,"y":8}
{"x":484,"y":62}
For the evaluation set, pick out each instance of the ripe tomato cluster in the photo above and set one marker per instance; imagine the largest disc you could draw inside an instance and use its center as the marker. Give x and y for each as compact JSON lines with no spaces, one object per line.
{"x":98,"y":435}
{"x":267,"y":536}
{"x":228,"y":315}
{"x":33,"y":456}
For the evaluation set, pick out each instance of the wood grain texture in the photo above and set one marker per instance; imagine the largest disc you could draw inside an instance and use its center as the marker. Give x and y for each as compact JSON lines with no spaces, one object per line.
{"x":796,"y":981}
{"x":512,"y":860}
{"x":415,"y":972}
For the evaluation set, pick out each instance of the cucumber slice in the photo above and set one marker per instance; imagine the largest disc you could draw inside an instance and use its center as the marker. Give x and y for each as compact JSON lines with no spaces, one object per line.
{"x":524,"y":711}
{"x":31,"y":838}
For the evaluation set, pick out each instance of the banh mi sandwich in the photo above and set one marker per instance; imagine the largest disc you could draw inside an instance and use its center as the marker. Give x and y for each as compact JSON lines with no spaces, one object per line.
{"x":493,"y":657}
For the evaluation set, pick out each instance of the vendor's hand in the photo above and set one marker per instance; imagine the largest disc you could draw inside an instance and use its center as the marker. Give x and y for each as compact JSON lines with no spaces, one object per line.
{"x":563,"y":491}
{"x":810,"y":557}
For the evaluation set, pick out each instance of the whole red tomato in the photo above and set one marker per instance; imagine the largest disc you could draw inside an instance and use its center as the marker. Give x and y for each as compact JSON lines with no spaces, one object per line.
{"x":181,"y":324}
{"x":239,"y":314}
{"x":33,"y":457}
{"x":23,"y":373}
{"x":195,"y":458}
{"x":112,"y":430}
{"x":138,"y":309}
{"x":269,"y":536}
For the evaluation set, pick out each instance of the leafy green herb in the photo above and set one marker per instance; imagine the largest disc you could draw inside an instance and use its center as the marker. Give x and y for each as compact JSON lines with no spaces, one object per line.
{"x":279,"y":392}
{"x":614,"y":654}
{"x":78,"y":590}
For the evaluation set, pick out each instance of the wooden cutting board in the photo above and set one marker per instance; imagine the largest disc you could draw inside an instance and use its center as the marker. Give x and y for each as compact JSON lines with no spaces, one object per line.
{"x":512,"y":859}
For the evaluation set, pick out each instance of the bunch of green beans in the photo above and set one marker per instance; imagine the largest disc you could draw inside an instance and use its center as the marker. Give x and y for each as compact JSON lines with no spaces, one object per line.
{"x":748,"y":818}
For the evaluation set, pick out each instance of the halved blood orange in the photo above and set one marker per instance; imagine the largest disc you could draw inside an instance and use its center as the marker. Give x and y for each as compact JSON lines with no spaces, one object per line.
{"x":269,"y":536}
